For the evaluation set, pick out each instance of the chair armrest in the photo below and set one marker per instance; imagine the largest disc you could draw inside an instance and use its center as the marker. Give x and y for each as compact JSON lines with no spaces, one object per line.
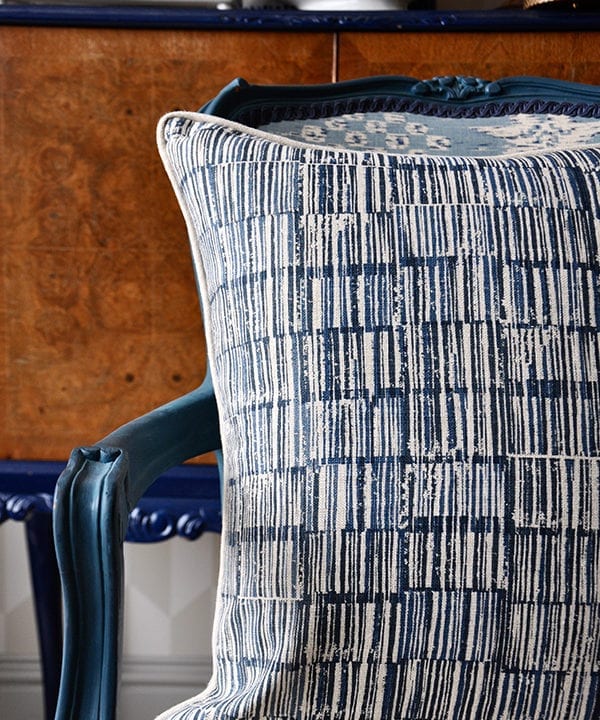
{"x":165,"y":437}
{"x":94,"y":495}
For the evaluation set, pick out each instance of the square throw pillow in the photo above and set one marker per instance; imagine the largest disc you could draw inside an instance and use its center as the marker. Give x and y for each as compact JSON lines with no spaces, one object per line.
{"x":405,"y":353}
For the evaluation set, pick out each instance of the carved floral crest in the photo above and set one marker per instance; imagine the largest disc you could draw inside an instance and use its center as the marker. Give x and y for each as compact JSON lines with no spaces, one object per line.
{"x":456,"y":87}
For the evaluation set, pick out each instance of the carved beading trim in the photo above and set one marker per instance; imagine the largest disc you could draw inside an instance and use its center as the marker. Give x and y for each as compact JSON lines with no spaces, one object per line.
{"x":20,"y":507}
{"x":188,"y":521}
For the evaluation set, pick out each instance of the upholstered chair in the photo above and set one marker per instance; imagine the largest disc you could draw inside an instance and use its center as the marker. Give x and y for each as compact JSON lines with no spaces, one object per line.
{"x":400,"y":288}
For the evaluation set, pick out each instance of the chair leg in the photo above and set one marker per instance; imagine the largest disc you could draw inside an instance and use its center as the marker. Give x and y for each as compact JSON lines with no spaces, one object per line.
{"x":90,"y":519}
{"x":47,"y":599}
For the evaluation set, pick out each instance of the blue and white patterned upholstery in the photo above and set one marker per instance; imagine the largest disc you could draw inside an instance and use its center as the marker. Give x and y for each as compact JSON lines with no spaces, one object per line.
{"x":410,"y":133}
{"x":405,"y":353}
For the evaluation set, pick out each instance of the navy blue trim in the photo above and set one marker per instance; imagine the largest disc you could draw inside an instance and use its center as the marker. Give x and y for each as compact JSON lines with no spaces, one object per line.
{"x":184,"y":501}
{"x":258,"y":117}
{"x":191,"y":18}
{"x":38,"y":476}
{"x":30,"y":477}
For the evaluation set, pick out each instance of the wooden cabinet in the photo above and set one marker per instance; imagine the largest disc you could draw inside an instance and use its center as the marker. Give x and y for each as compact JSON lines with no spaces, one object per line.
{"x":99,"y":316}
{"x":571,"y":56}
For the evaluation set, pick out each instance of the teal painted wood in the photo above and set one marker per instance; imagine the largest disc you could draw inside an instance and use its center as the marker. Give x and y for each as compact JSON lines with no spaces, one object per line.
{"x":184,"y":502}
{"x":442,"y":96}
{"x":94,"y":496}
{"x":102,"y":484}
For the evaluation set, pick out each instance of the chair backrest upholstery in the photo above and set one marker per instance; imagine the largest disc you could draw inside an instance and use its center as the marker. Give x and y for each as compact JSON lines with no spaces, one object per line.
{"x":401,"y":288}
{"x":443,"y":116}
{"x":412,"y":133}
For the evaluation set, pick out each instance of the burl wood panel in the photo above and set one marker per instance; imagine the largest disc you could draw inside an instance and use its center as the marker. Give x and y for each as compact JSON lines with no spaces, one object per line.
{"x":569,"y":55}
{"x":99,"y":318}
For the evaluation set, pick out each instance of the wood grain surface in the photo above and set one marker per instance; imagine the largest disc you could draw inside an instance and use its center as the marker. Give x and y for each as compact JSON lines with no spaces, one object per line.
{"x":99,"y":317}
{"x":565,"y":55}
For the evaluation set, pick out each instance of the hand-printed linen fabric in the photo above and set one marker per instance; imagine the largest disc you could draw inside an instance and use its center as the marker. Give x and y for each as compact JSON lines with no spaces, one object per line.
{"x":405,"y":352}
{"x":408,"y":132}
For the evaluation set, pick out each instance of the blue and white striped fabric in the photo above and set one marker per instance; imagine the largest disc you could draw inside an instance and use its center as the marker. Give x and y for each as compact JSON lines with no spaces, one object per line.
{"x":405,"y":352}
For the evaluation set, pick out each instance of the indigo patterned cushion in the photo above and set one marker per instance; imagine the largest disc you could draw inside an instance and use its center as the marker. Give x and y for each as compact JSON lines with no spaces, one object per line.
{"x":405,"y":353}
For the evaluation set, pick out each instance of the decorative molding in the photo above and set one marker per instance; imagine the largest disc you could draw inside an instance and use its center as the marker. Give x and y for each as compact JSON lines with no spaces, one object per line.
{"x":171,"y":671}
{"x":148,"y":684}
{"x":457,"y":87}
{"x":18,"y":670}
{"x":20,"y":507}
{"x":164,"y":520}
{"x":161,"y":521}
{"x":189,"y":17}
{"x":183,"y":502}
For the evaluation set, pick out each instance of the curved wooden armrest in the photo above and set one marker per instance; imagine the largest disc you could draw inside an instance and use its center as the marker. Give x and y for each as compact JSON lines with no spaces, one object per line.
{"x":94,"y":496}
{"x":165,"y":437}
